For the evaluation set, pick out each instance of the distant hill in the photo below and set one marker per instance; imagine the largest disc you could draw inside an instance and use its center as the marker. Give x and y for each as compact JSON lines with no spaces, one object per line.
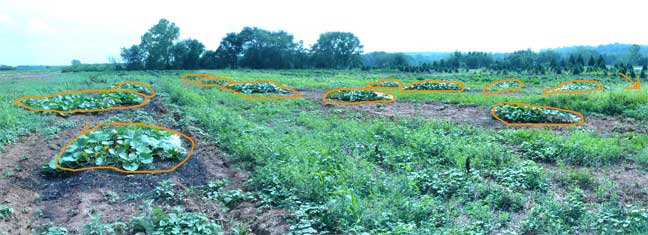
{"x":612,"y":52}
{"x":28,"y":67}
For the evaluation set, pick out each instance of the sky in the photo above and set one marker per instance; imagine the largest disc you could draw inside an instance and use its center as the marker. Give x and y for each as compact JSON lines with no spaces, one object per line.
{"x":56,"y":32}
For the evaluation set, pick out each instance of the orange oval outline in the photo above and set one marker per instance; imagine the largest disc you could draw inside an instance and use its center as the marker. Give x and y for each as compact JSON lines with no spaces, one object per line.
{"x":400,"y":84}
{"x":149,"y":87}
{"x":85,"y":130}
{"x":328,"y":101}
{"x":493,"y":113}
{"x":463,"y":87}
{"x":512,"y":89}
{"x":201,"y":80}
{"x":184,"y":80}
{"x":19,"y":102}
{"x":239,"y":94}
{"x":551,"y":90}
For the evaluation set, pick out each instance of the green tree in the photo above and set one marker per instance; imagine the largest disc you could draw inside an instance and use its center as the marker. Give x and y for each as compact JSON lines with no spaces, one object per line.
{"x":158,"y":43}
{"x":228,"y":53}
{"x":337,"y":50}
{"x":133,"y":57}
{"x":76,"y":62}
{"x":633,"y":54}
{"x":186,"y":54}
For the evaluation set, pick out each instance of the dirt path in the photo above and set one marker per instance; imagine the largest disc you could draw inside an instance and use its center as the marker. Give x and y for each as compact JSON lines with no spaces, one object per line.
{"x":472,"y":114}
{"x":39,"y":198}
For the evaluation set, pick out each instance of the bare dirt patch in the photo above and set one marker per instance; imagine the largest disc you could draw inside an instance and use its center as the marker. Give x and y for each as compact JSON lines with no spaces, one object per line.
{"x":473,"y":114}
{"x":69,"y":199}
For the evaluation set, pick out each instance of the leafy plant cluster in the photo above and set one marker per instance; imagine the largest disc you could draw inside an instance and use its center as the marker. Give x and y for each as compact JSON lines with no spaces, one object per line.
{"x":358,"y":95}
{"x":152,"y":220}
{"x":578,"y":86}
{"x":524,"y":114}
{"x":156,"y":221}
{"x":258,"y":87}
{"x":6,"y":212}
{"x":388,"y":84}
{"x":219,"y":82}
{"x":426,"y":86}
{"x":504,"y":85}
{"x":85,"y":102}
{"x":214,"y":191}
{"x":136,"y":87}
{"x":129,"y":147}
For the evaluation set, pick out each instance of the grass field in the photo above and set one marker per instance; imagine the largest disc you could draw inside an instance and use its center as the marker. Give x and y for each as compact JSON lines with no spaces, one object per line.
{"x":430,"y":163}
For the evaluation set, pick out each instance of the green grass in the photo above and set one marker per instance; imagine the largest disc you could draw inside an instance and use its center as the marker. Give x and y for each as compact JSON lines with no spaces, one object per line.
{"x":341,"y":171}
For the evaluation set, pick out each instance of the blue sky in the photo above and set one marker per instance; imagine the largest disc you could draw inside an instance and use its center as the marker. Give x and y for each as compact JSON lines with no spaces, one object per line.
{"x":55,"y":32}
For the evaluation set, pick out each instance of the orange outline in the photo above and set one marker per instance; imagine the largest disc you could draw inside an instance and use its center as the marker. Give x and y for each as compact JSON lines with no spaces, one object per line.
{"x":511,"y":89}
{"x":635,"y":85}
{"x":85,"y":130}
{"x":18,"y":101}
{"x":329,"y":101}
{"x":239,"y":94}
{"x":400,"y":84}
{"x":201,"y":81}
{"x":463,"y":87}
{"x":153,"y":93}
{"x":550,"y":91}
{"x":197,"y":82}
{"x":493,"y":113}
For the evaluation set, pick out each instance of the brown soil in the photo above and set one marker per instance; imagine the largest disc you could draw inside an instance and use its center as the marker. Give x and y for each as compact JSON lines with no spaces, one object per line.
{"x":472,"y":114}
{"x":39,"y":198}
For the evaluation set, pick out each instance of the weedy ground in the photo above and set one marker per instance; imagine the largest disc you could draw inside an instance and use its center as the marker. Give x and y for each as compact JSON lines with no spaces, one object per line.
{"x":431,"y":163}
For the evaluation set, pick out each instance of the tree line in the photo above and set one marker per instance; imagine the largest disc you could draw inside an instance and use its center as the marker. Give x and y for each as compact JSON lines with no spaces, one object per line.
{"x":527,"y":61}
{"x":252,"y":47}
{"x":256,"y":48}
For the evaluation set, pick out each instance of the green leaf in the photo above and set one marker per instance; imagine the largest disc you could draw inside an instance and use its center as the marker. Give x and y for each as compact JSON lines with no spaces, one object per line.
{"x":131,"y":166}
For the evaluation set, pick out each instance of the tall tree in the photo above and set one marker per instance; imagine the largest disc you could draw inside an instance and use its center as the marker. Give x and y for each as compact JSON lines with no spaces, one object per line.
{"x":337,"y":50}
{"x":186,"y":54}
{"x":633,"y":54}
{"x":133,"y":57}
{"x":158,"y":43}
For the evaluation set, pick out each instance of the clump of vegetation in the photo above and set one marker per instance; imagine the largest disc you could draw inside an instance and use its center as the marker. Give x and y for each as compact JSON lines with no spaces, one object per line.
{"x":504,"y":85}
{"x":6,"y":212}
{"x":85,"y":102}
{"x":156,"y":221}
{"x":525,"y":114}
{"x":128,"y":147}
{"x":215,"y":81}
{"x":578,"y":86}
{"x":257,"y":87}
{"x":429,"y":86}
{"x":136,"y":87}
{"x":385,"y":84}
{"x":358,"y":95}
